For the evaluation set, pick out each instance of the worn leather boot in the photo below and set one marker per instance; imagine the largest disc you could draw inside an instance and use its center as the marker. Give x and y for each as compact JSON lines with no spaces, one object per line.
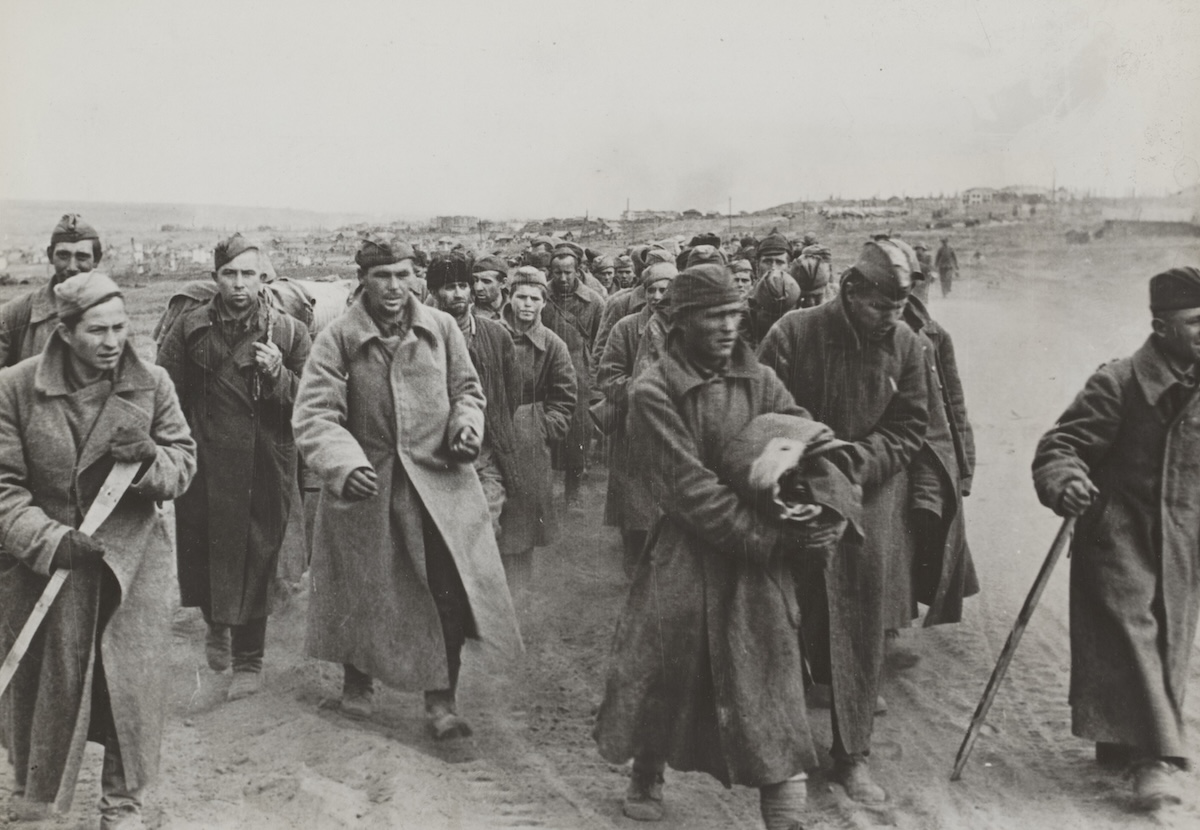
{"x":783,"y":805}
{"x":644,"y":797}
{"x":358,"y":694}
{"x":216,"y":647}
{"x":1156,"y":784}
{"x":854,"y":775}
{"x":245,"y":684}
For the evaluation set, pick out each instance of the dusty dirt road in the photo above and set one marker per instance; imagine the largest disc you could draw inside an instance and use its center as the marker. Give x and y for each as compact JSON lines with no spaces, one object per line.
{"x":1029,"y":326}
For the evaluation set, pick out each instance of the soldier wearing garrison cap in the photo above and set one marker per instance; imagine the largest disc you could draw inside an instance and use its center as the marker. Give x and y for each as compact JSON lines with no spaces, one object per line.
{"x":1125,"y":458}
{"x":97,"y":669}
{"x":27,"y":321}
{"x":390,"y":414}
{"x":856,"y":367}
{"x":236,"y":364}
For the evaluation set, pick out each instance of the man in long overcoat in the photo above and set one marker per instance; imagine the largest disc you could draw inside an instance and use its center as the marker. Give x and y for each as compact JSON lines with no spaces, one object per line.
{"x":236,"y":363}
{"x":27,"y":322}
{"x":389,"y":415}
{"x":943,"y":572}
{"x":706,"y":669}
{"x":451,"y":283}
{"x":545,"y":404}
{"x":95,"y":671}
{"x":573,"y":312}
{"x":855,"y":367}
{"x":627,"y":505}
{"x":1125,"y":459}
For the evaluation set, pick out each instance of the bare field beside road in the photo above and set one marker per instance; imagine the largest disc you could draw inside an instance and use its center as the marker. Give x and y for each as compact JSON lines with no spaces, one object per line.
{"x":1031,"y":319}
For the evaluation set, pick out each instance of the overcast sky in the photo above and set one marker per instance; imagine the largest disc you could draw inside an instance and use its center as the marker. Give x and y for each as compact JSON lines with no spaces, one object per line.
{"x":516,"y":109}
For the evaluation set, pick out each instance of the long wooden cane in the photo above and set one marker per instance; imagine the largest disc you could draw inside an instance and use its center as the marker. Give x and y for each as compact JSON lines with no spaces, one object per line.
{"x":118,"y":481}
{"x":1010,"y":647}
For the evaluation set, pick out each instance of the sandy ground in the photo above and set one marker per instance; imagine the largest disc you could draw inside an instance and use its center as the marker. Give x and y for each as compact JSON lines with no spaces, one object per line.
{"x":1030,"y":326}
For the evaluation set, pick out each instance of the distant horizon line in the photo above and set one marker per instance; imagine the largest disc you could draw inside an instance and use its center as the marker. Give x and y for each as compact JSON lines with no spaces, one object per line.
{"x":377,"y":215}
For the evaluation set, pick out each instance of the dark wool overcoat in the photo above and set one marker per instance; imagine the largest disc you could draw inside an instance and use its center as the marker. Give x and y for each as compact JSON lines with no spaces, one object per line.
{"x":492,"y":355}
{"x":231,"y":523}
{"x":627,"y":504}
{"x":545,"y":403}
{"x":26,"y":324}
{"x":948,"y":571}
{"x":874,"y":394}
{"x":393,"y":405}
{"x":575,"y":318}
{"x":1135,"y":559}
{"x":705,"y":670}
{"x":619,"y":306}
{"x":53,"y":461}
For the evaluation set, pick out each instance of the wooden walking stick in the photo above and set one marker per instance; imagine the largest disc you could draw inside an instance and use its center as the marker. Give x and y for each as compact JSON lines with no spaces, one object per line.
{"x":118,"y":481}
{"x":1010,"y":647}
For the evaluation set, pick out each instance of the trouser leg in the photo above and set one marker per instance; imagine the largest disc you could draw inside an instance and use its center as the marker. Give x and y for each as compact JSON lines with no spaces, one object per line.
{"x":453,"y":607}
{"x":248,"y":645}
{"x":116,"y":796}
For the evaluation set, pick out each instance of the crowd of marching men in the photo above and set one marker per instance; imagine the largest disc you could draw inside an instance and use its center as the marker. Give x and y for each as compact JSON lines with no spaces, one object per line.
{"x":787,"y":460}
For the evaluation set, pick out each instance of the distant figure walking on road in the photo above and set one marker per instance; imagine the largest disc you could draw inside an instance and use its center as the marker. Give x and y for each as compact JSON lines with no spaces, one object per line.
{"x":1125,"y":459}
{"x":947,"y":266}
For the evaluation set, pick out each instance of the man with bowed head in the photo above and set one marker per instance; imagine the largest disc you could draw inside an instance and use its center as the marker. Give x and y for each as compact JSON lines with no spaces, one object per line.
{"x":706,"y":671}
{"x":855,"y":366}
{"x":390,"y":417}
{"x":1125,"y":458}
{"x":236,"y":364}
{"x":28,"y":321}
{"x":95,"y":671}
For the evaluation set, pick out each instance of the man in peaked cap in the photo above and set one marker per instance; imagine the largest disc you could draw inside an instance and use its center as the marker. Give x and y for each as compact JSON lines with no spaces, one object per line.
{"x":855,"y":367}
{"x":236,"y":365}
{"x":1125,"y":458}
{"x":28,"y":321}
{"x":96,"y":670}
{"x":624,"y":275}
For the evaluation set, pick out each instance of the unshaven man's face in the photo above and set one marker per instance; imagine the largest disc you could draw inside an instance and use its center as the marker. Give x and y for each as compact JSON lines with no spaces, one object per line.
{"x":874,"y":315}
{"x":710,"y":334}
{"x":240,"y":280}
{"x":455,"y":298}
{"x":387,"y":286}
{"x":563,"y":277}
{"x":487,"y":288}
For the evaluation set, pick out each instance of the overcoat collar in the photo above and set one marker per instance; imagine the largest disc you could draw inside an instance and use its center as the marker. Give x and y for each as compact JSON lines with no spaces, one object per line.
{"x":1153,"y":371}
{"x":132,"y":374}
{"x":682,"y":376}
{"x":43,"y":306}
{"x":363,"y":330}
